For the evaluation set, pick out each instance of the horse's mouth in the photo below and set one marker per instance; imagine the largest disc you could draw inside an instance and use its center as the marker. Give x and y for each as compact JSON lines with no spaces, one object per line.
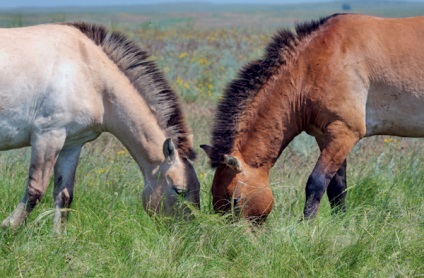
{"x":183,"y":193}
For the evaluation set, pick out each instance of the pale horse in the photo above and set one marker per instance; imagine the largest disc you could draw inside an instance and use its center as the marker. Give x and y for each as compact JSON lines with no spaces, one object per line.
{"x":62,"y":85}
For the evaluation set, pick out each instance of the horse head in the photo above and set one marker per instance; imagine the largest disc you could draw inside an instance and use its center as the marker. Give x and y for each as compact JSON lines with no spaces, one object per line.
{"x":240,"y":188}
{"x":171,"y":183}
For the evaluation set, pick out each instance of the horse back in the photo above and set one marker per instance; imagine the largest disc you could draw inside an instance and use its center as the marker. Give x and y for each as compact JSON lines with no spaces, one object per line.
{"x":369,"y":72}
{"x":48,"y":80}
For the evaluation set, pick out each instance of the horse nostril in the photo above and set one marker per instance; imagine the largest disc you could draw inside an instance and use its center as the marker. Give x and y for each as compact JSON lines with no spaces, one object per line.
{"x":236,"y":201}
{"x":181,"y":191}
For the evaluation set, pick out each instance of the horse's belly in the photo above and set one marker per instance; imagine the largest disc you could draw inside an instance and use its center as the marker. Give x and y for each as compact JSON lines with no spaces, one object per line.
{"x":389,"y":112}
{"x":13,"y":135}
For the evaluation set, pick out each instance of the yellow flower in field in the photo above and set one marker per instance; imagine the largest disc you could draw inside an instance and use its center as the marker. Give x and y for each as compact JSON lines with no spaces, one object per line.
{"x":203,"y":61}
{"x":187,"y":86}
{"x":182,"y":55}
{"x":390,"y":140}
{"x":179,"y":81}
{"x":101,"y":171}
{"x":210,"y":86}
{"x":121,"y":152}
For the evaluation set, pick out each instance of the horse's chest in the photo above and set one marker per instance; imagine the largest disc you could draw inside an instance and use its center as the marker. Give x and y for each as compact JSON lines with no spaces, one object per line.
{"x":82,"y":137}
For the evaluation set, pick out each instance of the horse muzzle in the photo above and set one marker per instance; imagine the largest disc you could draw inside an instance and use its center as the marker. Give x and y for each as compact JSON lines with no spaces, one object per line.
{"x":181,"y":192}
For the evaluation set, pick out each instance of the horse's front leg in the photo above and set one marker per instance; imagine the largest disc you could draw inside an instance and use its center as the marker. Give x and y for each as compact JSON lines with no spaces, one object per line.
{"x":339,"y":141}
{"x":336,"y":190}
{"x":44,"y":152}
{"x":64,"y":180}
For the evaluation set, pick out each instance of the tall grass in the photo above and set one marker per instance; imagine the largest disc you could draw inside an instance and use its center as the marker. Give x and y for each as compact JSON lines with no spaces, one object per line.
{"x":109,"y":234}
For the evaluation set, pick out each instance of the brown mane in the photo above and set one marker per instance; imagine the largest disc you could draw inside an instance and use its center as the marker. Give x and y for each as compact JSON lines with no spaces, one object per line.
{"x":248,"y":83}
{"x":134,"y":63}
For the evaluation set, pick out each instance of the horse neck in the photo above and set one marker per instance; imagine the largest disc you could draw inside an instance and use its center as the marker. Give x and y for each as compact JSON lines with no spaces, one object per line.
{"x":129,"y":118}
{"x":275,"y":118}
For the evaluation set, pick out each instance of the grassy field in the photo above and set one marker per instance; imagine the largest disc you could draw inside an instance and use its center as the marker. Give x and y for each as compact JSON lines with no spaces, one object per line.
{"x":200,"y":48}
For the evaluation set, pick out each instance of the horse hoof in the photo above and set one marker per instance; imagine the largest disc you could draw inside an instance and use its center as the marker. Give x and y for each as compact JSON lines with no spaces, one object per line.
{"x":6,"y":223}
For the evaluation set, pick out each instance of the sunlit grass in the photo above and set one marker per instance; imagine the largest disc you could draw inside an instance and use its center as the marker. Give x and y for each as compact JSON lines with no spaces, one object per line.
{"x":110,"y":235}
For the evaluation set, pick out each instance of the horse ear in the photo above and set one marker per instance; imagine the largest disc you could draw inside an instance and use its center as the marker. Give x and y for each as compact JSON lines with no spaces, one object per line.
{"x":207,"y":149}
{"x":190,"y":139}
{"x":233,"y":163}
{"x":169,"y":150}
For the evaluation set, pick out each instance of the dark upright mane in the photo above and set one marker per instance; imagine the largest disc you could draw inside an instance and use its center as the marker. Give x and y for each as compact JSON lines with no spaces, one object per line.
{"x":147,"y":79}
{"x":248,"y":83}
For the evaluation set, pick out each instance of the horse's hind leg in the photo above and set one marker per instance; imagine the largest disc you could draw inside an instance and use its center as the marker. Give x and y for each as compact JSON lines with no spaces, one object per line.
{"x":45,"y":149}
{"x":64,"y":180}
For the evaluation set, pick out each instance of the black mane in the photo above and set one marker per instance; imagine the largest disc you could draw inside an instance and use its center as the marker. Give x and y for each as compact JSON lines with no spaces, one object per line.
{"x":249,"y":82}
{"x":147,"y":79}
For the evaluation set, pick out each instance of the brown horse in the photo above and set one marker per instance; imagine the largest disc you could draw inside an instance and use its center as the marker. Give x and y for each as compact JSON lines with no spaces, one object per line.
{"x":340,"y":79}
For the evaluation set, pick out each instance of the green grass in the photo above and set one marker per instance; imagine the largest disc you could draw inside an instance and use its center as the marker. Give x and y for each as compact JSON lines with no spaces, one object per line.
{"x":110,"y":235}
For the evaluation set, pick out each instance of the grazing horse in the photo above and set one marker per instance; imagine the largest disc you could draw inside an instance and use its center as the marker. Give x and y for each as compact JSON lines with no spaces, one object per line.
{"x":62,"y":85}
{"x":340,"y":78}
